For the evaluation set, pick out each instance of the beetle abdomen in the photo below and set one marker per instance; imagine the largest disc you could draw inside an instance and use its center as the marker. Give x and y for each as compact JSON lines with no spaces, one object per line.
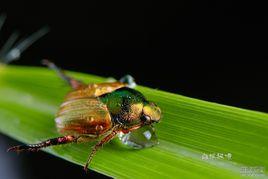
{"x":83,"y":116}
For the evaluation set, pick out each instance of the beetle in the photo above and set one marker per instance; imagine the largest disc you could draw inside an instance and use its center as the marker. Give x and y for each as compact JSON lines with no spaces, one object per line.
{"x":98,"y":112}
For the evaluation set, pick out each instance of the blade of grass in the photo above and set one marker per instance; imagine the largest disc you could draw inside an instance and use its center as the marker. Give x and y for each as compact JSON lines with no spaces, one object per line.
{"x":30,"y":96}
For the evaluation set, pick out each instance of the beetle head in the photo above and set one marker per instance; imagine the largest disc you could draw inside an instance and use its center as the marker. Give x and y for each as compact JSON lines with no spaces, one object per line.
{"x":150,"y":113}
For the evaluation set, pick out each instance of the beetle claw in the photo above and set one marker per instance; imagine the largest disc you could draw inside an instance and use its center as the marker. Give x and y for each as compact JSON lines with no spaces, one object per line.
{"x":10,"y":149}
{"x":86,"y":168}
{"x":14,"y":149}
{"x":129,"y":80}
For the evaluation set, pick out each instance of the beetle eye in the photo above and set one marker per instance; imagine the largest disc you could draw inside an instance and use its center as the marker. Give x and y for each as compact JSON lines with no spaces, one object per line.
{"x":146,"y":118}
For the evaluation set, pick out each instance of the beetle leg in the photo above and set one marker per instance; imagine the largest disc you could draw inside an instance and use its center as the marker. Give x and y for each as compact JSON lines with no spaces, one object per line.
{"x":75,"y":84}
{"x":129,"y":80}
{"x":131,"y":129}
{"x":47,"y":143}
{"x":98,"y":146}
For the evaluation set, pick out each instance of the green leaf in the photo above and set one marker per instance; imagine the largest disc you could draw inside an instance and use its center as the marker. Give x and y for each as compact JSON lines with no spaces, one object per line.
{"x":190,"y":129}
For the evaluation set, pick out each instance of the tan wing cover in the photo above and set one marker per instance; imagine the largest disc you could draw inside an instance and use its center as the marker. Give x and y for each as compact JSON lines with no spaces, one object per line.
{"x":83,"y":116}
{"x":94,"y":90}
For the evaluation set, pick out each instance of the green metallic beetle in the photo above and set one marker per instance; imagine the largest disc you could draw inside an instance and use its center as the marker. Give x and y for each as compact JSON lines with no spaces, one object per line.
{"x":100,"y":112}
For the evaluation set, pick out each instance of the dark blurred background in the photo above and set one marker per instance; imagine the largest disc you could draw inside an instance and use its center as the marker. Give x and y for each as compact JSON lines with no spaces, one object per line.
{"x":211,"y":51}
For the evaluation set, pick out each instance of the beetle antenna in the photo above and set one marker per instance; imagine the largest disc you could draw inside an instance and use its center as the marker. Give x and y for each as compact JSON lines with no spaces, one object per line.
{"x":15,"y":53}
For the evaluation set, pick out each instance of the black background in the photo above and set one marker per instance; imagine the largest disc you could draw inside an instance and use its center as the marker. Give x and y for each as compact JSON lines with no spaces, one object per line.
{"x":215,"y":52}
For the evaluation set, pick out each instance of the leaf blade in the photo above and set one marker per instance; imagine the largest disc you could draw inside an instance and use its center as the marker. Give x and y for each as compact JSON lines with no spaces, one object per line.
{"x":189,"y":128}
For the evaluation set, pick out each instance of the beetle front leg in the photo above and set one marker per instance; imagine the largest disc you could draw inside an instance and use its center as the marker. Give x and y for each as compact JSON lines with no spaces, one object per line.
{"x":129,"y":80}
{"x":75,"y":84}
{"x":47,"y":143}
{"x":98,"y":146}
